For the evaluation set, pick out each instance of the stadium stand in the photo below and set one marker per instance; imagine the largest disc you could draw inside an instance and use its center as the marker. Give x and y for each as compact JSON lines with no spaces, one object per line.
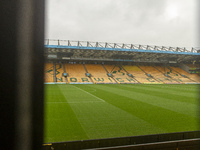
{"x":188,"y":76}
{"x":154,"y":73}
{"x":109,"y":68}
{"x":76,"y":73}
{"x":148,"y":72}
{"x":175,"y":75}
{"x":98,"y":74}
{"x":48,"y":72}
{"x":59,"y":73}
{"x":138,"y":74}
{"x":119,"y":74}
{"x":166,"y":72}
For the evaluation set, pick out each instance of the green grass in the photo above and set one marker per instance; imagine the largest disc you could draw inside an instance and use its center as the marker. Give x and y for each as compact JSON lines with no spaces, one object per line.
{"x":80,"y":112}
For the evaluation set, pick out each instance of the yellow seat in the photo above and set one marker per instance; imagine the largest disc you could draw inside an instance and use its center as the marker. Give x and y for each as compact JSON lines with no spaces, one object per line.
{"x":76,"y":73}
{"x":99,"y":74}
{"x":48,"y":72}
{"x":119,"y":74}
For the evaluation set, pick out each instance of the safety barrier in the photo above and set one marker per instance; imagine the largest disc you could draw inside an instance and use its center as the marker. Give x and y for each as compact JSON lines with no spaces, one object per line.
{"x":123,"y":141}
{"x":55,"y":83}
{"x":49,"y":82}
{"x":191,"y":83}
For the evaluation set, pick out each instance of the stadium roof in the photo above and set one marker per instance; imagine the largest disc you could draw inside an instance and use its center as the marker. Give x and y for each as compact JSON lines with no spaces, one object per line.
{"x":102,"y":51}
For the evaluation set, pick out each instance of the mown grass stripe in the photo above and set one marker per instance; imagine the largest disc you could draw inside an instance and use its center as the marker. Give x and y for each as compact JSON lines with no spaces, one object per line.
{"x":160,"y":117}
{"x":166,"y":93}
{"x":90,"y":94}
{"x":104,"y":120}
{"x":177,"y":87}
{"x":140,"y":95}
{"x":181,"y":104}
{"x":61,"y":123}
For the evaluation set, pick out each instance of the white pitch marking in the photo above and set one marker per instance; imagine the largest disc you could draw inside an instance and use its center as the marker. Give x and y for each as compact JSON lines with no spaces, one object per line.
{"x":89,"y":94}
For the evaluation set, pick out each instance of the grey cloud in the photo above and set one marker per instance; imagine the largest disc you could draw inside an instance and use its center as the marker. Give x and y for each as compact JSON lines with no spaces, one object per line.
{"x":126,"y":21}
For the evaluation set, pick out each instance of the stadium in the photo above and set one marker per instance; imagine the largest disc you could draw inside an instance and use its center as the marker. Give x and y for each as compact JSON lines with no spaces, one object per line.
{"x":102,"y":95}
{"x":98,"y":95}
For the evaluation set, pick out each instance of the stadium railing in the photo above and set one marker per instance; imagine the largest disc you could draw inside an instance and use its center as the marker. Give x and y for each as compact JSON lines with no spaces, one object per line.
{"x":185,"y":140}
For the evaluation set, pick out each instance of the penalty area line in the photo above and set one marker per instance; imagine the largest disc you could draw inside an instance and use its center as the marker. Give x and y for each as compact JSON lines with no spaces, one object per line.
{"x":89,"y":94}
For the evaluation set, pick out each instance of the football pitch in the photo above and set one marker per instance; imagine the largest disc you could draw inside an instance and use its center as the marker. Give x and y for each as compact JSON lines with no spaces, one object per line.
{"x":81,"y":112}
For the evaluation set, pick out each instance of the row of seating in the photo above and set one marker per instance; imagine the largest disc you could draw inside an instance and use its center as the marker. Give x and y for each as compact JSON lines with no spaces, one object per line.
{"x":98,"y":73}
{"x":48,"y":72}
{"x":118,"y":74}
{"x":76,"y":73}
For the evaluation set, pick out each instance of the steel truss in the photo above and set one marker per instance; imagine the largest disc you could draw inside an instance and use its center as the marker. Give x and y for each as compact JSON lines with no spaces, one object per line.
{"x":119,"y":46}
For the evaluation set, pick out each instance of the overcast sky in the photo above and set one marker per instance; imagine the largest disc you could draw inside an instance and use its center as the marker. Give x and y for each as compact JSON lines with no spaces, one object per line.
{"x":148,"y":22}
